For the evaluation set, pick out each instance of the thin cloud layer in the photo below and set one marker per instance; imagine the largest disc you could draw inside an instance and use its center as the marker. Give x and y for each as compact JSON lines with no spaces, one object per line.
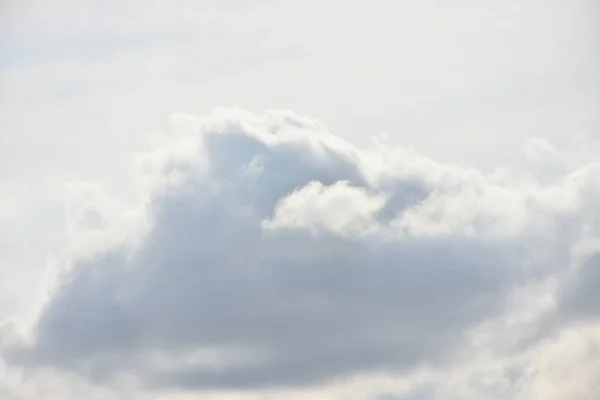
{"x":267,"y":253}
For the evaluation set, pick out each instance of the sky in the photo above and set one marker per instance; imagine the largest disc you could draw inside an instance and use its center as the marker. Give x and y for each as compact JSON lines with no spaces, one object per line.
{"x":281,"y":199}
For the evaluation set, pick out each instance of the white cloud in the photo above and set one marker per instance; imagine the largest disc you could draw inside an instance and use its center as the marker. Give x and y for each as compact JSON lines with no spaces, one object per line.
{"x":338,"y":208}
{"x":266,"y":255}
{"x":568,"y":367}
{"x":83,"y":83}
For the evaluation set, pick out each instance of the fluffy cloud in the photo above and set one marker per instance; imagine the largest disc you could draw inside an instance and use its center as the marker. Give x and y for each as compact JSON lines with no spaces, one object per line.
{"x":267,"y":254}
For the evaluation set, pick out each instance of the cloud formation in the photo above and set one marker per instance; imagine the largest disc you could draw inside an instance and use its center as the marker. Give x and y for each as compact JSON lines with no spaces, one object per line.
{"x":266,"y":253}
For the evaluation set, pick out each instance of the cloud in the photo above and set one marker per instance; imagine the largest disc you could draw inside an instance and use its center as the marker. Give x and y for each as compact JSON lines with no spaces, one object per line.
{"x":267,"y":253}
{"x":337,"y":208}
{"x":564,"y":366}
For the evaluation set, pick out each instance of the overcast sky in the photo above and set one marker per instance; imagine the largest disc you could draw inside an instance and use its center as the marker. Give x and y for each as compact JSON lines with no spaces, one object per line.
{"x":271,"y":199}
